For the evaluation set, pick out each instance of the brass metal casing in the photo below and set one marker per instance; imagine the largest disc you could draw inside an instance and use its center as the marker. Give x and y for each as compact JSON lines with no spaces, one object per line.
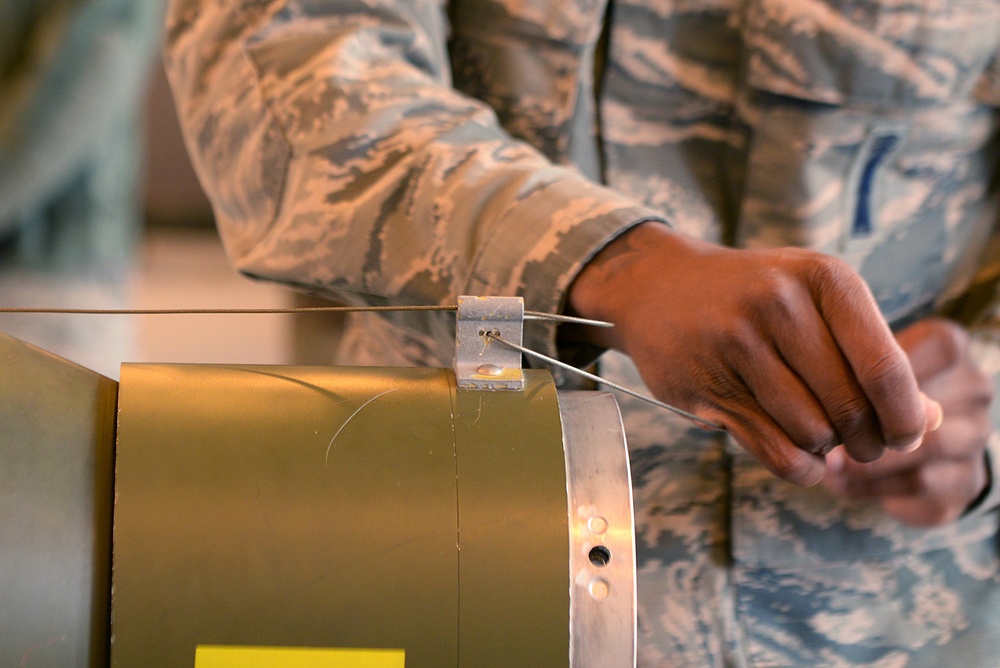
{"x":383,"y":517}
{"x":339,"y":507}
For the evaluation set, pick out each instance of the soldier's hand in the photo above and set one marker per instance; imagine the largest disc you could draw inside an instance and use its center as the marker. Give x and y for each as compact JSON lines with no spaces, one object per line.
{"x":937,"y":482}
{"x":786,"y":348}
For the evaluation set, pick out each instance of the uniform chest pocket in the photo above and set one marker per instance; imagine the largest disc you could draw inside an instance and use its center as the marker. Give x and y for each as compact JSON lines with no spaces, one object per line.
{"x":870,"y":130}
{"x":877,"y":55}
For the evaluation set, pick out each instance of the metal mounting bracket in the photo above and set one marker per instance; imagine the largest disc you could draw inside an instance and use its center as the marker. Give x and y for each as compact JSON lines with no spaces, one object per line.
{"x":480,"y":362}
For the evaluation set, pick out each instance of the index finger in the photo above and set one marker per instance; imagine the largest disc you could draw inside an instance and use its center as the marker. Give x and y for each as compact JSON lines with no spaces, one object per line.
{"x":880,"y":366}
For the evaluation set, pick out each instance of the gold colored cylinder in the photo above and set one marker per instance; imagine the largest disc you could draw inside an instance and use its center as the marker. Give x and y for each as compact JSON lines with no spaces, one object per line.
{"x":338,"y":508}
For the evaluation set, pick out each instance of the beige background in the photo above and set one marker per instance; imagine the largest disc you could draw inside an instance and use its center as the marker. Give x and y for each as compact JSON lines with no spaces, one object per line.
{"x":181,"y":264}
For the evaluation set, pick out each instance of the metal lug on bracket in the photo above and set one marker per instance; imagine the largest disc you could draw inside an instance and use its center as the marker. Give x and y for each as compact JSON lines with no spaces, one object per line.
{"x":481,"y":363}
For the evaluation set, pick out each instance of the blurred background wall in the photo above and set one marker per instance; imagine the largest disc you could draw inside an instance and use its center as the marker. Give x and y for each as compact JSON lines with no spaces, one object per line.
{"x":181,"y":264}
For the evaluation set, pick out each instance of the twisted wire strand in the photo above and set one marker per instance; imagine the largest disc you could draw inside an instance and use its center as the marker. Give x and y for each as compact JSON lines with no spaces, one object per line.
{"x":528,"y":315}
{"x":603,"y":381}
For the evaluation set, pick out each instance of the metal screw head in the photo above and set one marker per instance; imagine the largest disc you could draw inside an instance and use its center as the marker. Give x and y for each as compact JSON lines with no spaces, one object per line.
{"x":597,"y":524}
{"x":599,"y":589}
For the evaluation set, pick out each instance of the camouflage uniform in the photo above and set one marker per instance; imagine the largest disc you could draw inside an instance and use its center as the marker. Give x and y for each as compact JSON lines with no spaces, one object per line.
{"x":407,"y":151}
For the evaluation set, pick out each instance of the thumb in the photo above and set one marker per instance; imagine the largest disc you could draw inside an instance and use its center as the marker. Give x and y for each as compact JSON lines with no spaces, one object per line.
{"x":933,"y":412}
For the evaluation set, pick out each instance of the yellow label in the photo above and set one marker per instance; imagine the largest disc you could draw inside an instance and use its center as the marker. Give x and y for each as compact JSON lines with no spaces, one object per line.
{"x":211,"y":656}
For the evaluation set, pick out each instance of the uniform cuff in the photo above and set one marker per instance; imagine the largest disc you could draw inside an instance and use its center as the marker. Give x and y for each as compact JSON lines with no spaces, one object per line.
{"x":547,"y":238}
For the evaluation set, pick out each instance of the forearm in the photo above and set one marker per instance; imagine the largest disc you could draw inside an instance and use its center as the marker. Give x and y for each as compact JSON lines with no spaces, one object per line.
{"x":338,"y":158}
{"x":602,"y":289}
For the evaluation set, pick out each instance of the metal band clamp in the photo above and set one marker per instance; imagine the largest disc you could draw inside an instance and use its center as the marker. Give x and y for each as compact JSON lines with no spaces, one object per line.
{"x":481,"y":362}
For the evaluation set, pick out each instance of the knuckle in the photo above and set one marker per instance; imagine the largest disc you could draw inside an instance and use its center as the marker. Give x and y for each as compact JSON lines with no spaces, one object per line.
{"x":835,"y":274}
{"x":768,"y":290}
{"x":724,"y":386}
{"x":864,"y":451}
{"x":828,"y":268}
{"x":883,"y":378}
{"x":778,"y":296}
{"x":741,"y":349}
{"x":851,"y":415}
{"x":886,"y":372}
{"x":795,"y":467}
{"x":741,"y":343}
{"x":817,"y":440}
{"x":774,"y":284}
{"x":838,"y":287}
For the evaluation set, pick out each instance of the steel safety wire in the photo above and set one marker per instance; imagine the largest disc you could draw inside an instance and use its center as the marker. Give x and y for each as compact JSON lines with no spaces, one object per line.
{"x":603,"y":381}
{"x":528,"y":315}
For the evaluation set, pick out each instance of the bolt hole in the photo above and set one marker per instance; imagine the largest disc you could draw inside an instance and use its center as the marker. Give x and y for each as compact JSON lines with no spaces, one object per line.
{"x":600,"y":556}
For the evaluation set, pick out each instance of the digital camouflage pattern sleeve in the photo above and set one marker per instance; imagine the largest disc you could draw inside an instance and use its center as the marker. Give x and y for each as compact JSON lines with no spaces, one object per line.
{"x":339,"y":158}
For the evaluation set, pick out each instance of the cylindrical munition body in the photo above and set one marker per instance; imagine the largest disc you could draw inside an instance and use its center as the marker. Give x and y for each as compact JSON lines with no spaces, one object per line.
{"x":371,"y":517}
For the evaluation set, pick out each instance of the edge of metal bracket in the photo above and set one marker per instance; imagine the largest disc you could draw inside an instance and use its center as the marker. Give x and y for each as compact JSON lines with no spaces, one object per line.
{"x":481,"y":363}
